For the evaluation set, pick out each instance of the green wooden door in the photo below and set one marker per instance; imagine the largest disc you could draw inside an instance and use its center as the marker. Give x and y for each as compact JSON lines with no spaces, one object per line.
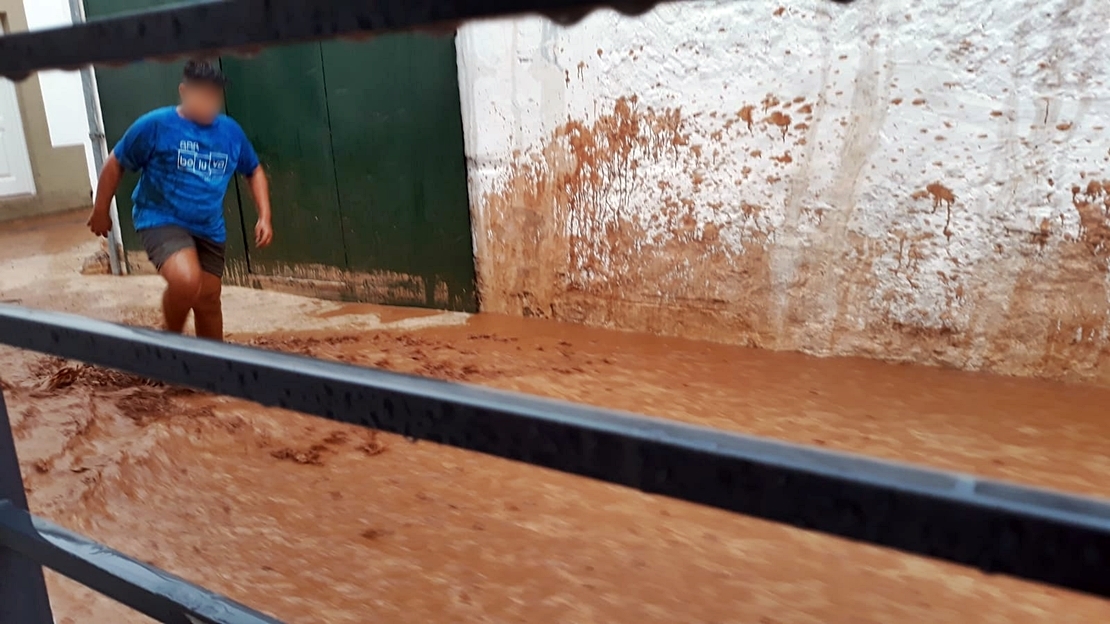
{"x":400,"y":165}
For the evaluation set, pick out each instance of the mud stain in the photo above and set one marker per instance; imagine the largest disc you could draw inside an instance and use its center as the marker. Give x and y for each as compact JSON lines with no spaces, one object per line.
{"x":385,"y":314}
{"x":1064,"y":337}
{"x":781,"y":120}
{"x":942,"y":197}
{"x":588,"y":231}
{"x":1092,"y":204}
{"x":745,"y":115}
{"x":327,"y":282}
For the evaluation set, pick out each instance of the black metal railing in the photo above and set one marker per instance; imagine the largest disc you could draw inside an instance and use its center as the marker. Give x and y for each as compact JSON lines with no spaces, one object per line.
{"x":243,"y":25}
{"x":1039,"y":535}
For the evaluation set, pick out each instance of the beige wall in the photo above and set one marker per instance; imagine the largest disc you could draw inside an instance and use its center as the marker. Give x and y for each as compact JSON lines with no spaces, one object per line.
{"x":61,"y":173}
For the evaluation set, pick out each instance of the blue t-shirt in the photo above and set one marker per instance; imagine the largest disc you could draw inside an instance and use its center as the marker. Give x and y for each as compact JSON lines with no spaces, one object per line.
{"x":185,"y":169}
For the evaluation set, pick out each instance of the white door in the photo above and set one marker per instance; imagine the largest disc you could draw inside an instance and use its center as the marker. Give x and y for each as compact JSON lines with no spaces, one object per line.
{"x":16,"y":177}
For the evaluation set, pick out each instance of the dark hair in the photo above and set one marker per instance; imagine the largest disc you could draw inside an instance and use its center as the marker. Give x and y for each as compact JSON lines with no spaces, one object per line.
{"x":204,"y":72}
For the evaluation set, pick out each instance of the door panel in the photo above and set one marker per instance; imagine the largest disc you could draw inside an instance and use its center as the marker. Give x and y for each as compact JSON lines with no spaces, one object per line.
{"x":125,"y":95}
{"x":399,"y":162}
{"x":16,"y":174}
{"x":278,"y":97}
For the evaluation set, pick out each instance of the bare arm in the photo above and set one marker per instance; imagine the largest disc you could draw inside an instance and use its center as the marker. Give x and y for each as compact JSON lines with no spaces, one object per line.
{"x":260,"y":190}
{"x":100,"y":221}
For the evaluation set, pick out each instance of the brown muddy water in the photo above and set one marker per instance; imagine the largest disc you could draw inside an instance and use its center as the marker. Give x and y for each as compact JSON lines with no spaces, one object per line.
{"x":319,"y":522}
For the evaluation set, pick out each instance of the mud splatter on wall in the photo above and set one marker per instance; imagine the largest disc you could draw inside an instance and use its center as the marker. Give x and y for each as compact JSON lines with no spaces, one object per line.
{"x":895,"y":182}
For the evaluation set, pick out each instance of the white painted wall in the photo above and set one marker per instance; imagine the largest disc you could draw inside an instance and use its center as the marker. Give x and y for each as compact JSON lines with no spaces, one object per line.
{"x":905,"y":187}
{"x":62,"y":93}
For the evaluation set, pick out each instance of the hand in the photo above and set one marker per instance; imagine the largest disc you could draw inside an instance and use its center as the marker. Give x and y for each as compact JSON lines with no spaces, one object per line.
{"x":100,"y":223}
{"x":263,"y":233}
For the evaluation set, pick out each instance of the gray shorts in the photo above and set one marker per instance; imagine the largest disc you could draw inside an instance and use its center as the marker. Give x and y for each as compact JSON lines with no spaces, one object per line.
{"x":162,"y":242}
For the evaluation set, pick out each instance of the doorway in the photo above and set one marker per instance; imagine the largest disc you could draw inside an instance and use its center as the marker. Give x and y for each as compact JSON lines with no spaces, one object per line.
{"x":16,"y":175}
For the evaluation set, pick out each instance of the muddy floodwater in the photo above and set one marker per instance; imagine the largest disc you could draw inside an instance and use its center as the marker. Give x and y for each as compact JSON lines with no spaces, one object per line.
{"x":314,"y":521}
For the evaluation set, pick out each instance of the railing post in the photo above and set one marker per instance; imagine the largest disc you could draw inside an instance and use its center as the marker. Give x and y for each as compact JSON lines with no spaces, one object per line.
{"x":23,"y":597}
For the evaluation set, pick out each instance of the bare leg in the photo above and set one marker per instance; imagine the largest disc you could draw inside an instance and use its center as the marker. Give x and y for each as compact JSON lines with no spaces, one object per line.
{"x":208,"y":313}
{"x":183,"y":282}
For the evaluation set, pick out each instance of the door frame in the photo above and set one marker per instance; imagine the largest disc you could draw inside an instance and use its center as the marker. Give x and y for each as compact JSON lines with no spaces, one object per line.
{"x":9,"y":95}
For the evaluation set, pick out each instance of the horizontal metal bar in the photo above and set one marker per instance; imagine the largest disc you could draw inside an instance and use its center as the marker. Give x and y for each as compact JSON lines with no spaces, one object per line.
{"x":215,"y":26}
{"x":1034,"y":534}
{"x":144,"y":588}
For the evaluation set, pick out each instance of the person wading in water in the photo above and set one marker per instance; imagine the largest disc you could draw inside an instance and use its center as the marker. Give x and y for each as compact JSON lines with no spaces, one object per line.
{"x":186,"y":156}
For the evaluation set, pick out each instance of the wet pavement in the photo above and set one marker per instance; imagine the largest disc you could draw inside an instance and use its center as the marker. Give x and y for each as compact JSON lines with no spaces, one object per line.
{"x":319,"y":522}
